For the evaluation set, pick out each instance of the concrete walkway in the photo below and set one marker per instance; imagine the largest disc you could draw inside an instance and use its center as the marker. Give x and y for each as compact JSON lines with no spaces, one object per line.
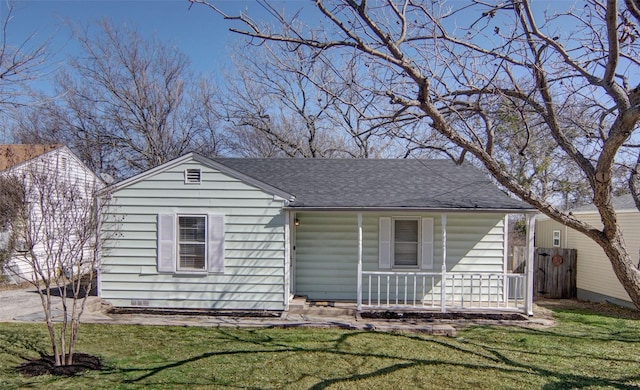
{"x":24,"y":306}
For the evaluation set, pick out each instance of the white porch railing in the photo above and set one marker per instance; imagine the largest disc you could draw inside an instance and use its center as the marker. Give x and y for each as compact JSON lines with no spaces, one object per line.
{"x":443,"y":291}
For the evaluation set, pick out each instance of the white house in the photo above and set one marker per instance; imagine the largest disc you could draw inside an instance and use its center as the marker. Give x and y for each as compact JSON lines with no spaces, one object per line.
{"x":45,"y":170}
{"x":249,"y":234}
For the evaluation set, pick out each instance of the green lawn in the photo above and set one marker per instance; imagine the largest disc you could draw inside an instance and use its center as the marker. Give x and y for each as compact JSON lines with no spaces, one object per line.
{"x":585,"y":350}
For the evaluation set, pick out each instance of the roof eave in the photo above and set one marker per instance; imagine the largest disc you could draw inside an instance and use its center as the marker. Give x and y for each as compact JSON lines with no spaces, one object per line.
{"x":415,"y":209}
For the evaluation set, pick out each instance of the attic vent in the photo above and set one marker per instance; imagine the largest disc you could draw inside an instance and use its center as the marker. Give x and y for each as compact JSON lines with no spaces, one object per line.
{"x":193,"y":175}
{"x":63,"y":163}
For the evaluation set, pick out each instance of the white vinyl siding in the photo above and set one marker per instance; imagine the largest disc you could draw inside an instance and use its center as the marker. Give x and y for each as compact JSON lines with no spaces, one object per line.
{"x":245,"y":244}
{"x":475,"y":242}
{"x":59,"y":164}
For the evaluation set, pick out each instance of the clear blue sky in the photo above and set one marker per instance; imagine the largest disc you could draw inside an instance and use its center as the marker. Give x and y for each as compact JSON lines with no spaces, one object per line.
{"x":199,"y":32}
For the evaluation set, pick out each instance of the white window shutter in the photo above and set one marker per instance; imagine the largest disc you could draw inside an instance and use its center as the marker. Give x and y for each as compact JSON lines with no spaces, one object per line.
{"x":384,"y":252}
{"x":167,"y":243}
{"x":427,"y":244}
{"x":215,"y":247}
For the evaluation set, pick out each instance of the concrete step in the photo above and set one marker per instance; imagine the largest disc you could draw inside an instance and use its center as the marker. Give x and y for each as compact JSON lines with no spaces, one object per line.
{"x":327,"y":313}
{"x":300,"y":305}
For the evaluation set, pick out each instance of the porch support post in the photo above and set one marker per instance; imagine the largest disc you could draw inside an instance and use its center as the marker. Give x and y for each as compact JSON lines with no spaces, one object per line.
{"x":530,"y":220}
{"x":443,"y":281}
{"x":359,"y":261}
{"x":505,"y":266}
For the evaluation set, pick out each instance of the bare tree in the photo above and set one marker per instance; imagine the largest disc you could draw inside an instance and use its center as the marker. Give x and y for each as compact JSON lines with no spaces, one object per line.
{"x":293,"y":103}
{"x":58,"y":240}
{"x":455,"y":64}
{"x":125,"y":104}
{"x":20,"y":61}
{"x":525,"y":151}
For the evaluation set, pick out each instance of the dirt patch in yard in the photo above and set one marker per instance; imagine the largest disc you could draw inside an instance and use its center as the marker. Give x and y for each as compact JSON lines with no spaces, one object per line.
{"x":544,"y":308}
{"x":46,"y":365}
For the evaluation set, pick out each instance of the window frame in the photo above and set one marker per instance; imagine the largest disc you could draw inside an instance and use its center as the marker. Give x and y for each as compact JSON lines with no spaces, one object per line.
{"x":554,"y":238}
{"x":180,"y":242}
{"x":418,"y":243}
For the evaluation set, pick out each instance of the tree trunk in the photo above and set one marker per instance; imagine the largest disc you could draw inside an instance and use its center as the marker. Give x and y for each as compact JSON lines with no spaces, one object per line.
{"x":623,"y":266}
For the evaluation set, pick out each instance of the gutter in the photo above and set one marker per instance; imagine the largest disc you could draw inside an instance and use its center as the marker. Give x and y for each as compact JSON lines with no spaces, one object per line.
{"x":413,"y":209}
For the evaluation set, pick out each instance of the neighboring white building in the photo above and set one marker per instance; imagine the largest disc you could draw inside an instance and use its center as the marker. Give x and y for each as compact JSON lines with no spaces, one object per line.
{"x":55,"y":163}
{"x":595,"y":279}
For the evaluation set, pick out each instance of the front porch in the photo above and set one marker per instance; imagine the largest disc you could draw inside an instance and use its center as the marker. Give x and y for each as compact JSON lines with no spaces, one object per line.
{"x":467,"y":271}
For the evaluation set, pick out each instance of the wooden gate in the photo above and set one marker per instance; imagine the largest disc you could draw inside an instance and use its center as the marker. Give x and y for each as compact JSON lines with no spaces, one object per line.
{"x":555,"y":273}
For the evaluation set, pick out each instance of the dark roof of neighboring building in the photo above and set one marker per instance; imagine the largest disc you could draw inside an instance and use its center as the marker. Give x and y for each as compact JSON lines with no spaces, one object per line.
{"x":375,"y":183}
{"x":14,"y":154}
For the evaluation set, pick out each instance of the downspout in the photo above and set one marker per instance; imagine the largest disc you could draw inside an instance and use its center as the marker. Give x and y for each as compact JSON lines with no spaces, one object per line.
{"x":287,"y":259}
{"x":443,"y":281}
{"x":359,"y":262}
{"x":530,"y":220}
{"x":98,"y":245}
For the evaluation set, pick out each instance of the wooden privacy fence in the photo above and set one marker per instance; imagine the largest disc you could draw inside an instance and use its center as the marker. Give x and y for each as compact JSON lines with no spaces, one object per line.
{"x":554,"y":271}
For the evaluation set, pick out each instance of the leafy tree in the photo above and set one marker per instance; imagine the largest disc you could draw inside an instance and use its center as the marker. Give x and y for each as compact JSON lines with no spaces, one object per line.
{"x":454,"y":66}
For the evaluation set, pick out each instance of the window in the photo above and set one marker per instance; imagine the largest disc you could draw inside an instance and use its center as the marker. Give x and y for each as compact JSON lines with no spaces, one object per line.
{"x":556,"y":238}
{"x":193,"y":176}
{"x":192,"y":247}
{"x":405,"y":242}
{"x":190,"y":243}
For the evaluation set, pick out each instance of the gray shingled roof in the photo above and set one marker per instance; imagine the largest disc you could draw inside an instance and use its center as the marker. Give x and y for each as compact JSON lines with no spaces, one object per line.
{"x":371,"y":183}
{"x":622,"y":202}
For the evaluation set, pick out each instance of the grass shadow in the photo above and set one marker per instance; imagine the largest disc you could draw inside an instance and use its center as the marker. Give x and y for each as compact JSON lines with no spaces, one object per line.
{"x":475,"y":357}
